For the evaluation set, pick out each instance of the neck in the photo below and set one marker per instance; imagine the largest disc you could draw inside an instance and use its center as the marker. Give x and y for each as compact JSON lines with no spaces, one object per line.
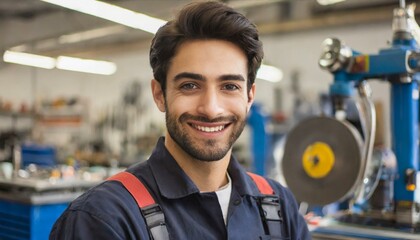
{"x":207,"y":176}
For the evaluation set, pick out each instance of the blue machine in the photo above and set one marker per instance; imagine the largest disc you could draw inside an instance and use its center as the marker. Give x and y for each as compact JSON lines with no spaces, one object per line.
{"x":43,"y":156}
{"x":30,"y":206}
{"x":260,"y":140}
{"x":20,"y":220}
{"x":400,"y":66}
{"x":328,"y":160}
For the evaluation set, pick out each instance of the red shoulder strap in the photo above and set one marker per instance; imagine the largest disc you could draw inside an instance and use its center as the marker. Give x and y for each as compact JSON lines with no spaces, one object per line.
{"x":262,"y":184}
{"x":135,"y":187}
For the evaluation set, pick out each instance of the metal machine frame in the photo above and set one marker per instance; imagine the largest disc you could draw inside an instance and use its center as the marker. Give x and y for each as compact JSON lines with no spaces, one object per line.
{"x":400,"y":66}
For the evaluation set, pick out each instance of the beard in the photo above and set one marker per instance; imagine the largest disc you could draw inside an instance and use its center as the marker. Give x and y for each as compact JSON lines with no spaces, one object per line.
{"x":204,"y":150}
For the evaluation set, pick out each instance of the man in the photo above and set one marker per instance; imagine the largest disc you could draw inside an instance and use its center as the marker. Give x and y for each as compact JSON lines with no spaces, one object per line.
{"x":204,"y":65}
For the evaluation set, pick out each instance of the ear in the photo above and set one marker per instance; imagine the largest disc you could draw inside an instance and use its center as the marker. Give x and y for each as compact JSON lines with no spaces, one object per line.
{"x":251,"y":95}
{"x":158,"y":95}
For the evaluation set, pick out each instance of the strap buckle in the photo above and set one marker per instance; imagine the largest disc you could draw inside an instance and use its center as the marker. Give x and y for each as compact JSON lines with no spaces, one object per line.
{"x":155,"y":220}
{"x":270,"y":208}
{"x":271,"y":216}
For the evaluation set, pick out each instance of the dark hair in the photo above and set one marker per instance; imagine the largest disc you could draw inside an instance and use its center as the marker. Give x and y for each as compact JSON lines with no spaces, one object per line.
{"x":205,"y":20}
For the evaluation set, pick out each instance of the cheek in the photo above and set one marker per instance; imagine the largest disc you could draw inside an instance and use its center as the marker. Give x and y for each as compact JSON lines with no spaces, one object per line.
{"x":178,"y":104}
{"x":237,"y":105}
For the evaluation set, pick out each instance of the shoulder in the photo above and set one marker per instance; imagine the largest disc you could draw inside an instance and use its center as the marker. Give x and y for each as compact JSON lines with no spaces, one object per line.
{"x":106,"y":202}
{"x":290,"y":208}
{"x":281,"y":190}
{"x":103,"y":196}
{"x":108,"y":208}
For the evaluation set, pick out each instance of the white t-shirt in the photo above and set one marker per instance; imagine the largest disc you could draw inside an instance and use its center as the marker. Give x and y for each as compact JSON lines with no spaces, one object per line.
{"x":223,"y":194}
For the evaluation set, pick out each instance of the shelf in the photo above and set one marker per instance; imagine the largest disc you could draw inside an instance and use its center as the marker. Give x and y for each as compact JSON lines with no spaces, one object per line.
{"x":17,"y":114}
{"x":62,"y":111}
{"x":74,"y":121}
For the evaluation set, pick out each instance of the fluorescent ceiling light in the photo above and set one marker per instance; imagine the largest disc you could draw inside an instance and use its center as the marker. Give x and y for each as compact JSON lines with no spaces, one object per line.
{"x":86,"y":65}
{"x":62,"y":62}
{"x":90,"y":34}
{"x":29,"y":59}
{"x":329,"y":2}
{"x":71,"y":38}
{"x":250,"y":3}
{"x":269,"y":73}
{"x":112,"y":13}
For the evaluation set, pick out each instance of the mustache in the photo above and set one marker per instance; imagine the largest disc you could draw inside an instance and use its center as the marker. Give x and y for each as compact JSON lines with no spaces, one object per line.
{"x":186,"y":116}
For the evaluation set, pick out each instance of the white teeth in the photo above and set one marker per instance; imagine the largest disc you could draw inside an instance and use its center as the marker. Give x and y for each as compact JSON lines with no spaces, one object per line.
{"x":210,"y":129}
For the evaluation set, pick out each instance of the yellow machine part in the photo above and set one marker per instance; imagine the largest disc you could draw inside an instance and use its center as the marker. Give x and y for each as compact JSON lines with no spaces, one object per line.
{"x":318,"y":160}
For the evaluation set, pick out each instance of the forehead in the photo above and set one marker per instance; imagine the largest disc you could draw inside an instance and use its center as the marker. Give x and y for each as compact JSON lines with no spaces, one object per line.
{"x":209,"y":58}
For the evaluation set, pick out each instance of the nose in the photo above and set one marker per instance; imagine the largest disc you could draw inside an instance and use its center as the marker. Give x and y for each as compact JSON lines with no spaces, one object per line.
{"x":210,"y":104}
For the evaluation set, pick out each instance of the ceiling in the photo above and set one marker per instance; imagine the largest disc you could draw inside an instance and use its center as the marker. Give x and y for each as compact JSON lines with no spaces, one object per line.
{"x":39,"y":27}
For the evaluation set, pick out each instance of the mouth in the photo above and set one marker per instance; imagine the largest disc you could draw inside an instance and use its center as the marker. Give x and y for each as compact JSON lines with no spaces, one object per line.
{"x":208,"y":126}
{"x":208,"y":129}
{"x":205,"y":127}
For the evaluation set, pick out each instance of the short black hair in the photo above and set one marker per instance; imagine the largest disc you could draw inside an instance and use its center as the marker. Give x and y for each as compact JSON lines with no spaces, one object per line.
{"x":205,"y":20}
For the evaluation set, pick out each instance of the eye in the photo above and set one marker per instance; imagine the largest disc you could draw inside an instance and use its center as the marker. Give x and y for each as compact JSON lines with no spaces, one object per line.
{"x":189,"y":86}
{"x":230,"y":87}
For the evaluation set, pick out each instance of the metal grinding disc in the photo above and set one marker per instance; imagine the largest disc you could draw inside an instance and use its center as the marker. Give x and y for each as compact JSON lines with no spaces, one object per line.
{"x":322,"y":160}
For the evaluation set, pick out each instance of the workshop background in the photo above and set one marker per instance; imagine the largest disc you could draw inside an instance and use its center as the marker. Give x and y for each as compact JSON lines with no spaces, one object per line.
{"x":63,"y":131}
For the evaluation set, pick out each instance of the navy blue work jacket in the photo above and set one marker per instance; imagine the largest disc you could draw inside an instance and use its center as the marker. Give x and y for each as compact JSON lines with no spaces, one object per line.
{"x":108,"y":211}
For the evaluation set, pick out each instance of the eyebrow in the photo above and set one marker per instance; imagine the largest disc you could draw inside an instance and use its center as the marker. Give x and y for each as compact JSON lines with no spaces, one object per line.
{"x":200,"y":77}
{"x":190,"y":75}
{"x":236,"y":77}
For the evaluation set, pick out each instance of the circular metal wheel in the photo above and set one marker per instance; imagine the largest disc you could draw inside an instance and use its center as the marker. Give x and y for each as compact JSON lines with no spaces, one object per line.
{"x":322,"y":160}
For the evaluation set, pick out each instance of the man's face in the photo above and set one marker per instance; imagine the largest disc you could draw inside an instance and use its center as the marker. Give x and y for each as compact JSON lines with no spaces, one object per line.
{"x":206,"y":99}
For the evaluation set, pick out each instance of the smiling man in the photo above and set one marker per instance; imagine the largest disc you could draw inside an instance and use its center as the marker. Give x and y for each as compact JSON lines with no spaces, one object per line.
{"x":206,"y":101}
{"x":204,"y":66}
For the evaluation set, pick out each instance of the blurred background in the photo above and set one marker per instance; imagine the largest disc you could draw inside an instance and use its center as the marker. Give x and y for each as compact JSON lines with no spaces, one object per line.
{"x":65,"y":128}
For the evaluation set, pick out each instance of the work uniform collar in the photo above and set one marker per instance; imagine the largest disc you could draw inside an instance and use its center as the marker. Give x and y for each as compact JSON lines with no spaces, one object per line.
{"x":174,"y":183}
